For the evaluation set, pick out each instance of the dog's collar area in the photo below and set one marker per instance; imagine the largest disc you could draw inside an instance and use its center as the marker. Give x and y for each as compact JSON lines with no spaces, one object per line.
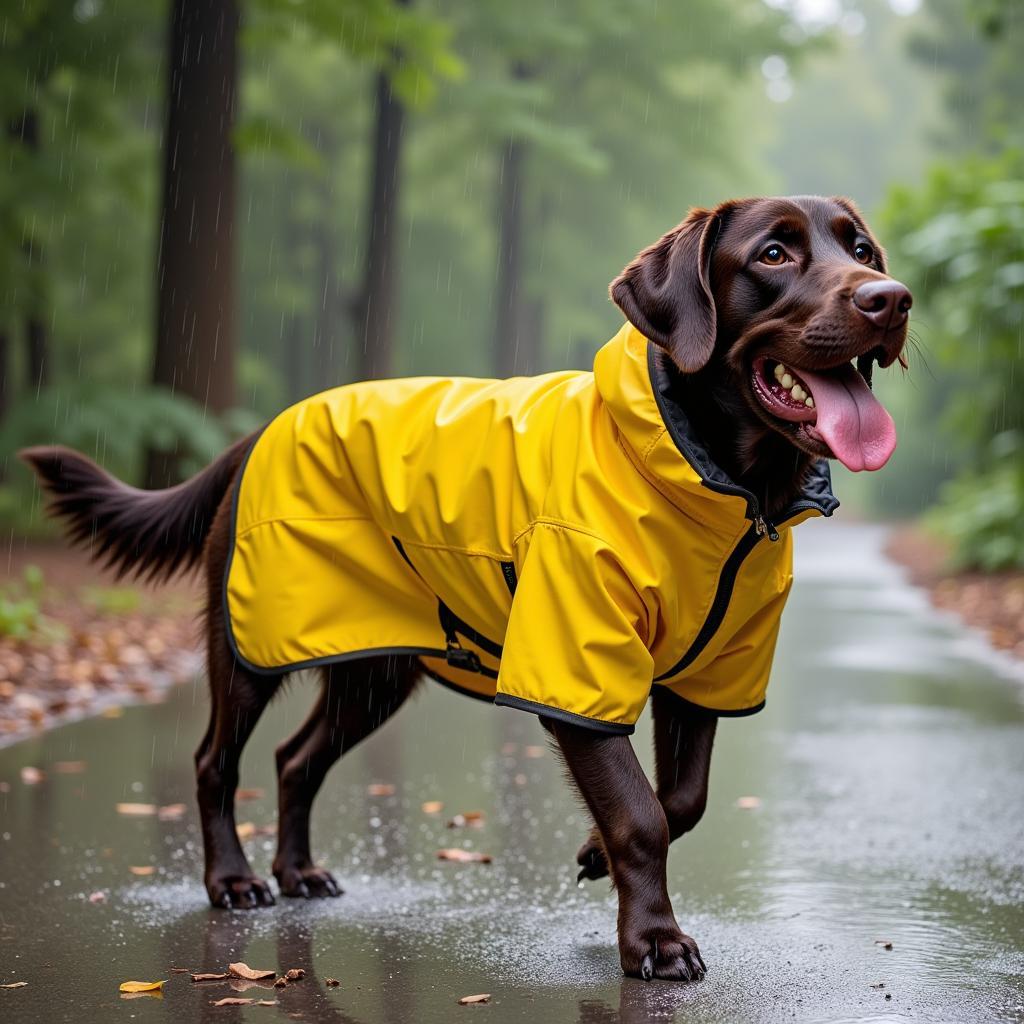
{"x":816,"y":493}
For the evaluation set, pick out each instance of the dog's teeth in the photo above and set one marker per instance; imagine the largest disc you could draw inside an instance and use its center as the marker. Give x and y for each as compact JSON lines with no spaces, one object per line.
{"x":809,"y":402}
{"x":786,"y":381}
{"x":779,"y":371}
{"x":798,"y":393}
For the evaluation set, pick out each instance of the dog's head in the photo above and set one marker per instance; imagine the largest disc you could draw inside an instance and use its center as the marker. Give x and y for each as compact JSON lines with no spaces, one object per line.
{"x":789,"y":301}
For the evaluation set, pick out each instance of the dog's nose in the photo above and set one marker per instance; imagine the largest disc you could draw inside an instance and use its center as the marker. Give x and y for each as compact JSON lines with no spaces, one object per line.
{"x":885,"y":303}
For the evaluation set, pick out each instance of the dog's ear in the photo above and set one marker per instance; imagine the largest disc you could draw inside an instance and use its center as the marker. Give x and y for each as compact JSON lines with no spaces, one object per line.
{"x":665,"y":293}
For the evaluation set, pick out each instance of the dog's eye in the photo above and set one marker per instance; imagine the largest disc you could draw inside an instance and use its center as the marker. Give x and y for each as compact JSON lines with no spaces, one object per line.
{"x":864,"y":252}
{"x":774,"y":256}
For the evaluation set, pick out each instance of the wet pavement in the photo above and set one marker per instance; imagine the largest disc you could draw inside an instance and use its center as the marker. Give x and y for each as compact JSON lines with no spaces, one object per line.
{"x":889,"y":770}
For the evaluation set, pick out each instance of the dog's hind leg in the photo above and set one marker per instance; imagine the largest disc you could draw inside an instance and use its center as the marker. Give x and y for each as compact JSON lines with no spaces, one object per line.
{"x":355,"y":699}
{"x":238,"y":698}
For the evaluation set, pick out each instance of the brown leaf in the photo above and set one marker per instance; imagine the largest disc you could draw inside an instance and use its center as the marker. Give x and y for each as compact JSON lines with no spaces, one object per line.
{"x":884,"y":943}
{"x":331,"y":982}
{"x":484,"y":997}
{"x":748,"y":803}
{"x":142,"y":870}
{"x":240,"y":970}
{"x":433,"y":807}
{"x":232,"y":1001}
{"x":380,"y":789}
{"x":179,"y":970}
{"x":533,"y":751}
{"x":137,"y":810}
{"x":32,"y":776}
{"x":280,"y":983}
{"x":171,"y":812}
{"x":142,"y":986}
{"x":69,"y":767}
{"x":295,"y":974}
{"x":210,"y":977}
{"x":249,"y":794}
{"x":15,"y":984}
{"x":464,"y":856}
{"x":97,"y":897}
{"x":247,"y":830}
{"x":474,"y":819}
{"x":115,"y":712}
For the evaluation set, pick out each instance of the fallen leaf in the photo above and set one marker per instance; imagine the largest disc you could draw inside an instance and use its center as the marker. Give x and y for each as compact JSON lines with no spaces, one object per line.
{"x":331,"y":982}
{"x":533,"y":751}
{"x":380,"y":789}
{"x":142,"y":870}
{"x":69,"y":767}
{"x":295,"y":974}
{"x":484,"y":997}
{"x":433,"y":807}
{"x":171,"y":812}
{"x":748,"y":803}
{"x":240,"y":970}
{"x":179,"y":970}
{"x":884,"y":943}
{"x":142,"y":986}
{"x":15,"y":984}
{"x":232,"y":1001}
{"x":32,"y":776}
{"x":475,"y":819}
{"x":247,"y":830}
{"x":464,"y":856}
{"x":137,"y":810}
{"x":280,"y":983}
{"x":209,"y":977}
{"x":265,"y":1002}
{"x":115,"y":712}
{"x":97,"y":897}
{"x":249,"y":794}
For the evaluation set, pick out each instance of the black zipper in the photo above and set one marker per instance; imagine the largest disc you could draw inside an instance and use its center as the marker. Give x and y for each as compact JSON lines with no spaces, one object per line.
{"x":723,"y":593}
{"x":455,"y":654}
{"x":759,"y":527}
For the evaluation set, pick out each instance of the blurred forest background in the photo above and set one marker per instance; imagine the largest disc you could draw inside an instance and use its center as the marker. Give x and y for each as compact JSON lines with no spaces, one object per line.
{"x":211,"y":209}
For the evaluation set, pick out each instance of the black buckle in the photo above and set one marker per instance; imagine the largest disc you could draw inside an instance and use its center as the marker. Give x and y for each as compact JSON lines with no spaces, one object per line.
{"x":459,"y":657}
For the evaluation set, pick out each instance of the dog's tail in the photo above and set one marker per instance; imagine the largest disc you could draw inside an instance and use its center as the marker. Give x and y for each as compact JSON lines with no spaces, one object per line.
{"x":143,"y":534}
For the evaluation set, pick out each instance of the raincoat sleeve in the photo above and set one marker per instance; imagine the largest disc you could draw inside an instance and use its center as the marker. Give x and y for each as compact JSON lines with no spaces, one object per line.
{"x":735,"y":683}
{"x":575,"y":648}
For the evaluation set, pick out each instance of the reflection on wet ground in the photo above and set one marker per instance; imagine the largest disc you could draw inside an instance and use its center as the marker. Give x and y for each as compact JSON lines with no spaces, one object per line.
{"x":889,"y":767}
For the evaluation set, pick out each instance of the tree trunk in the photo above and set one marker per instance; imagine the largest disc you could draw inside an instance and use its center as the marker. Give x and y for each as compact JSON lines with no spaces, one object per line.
{"x":5,"y":373}
{"x":375,"y":307}
{"x":326,"y":341}
{"x":508,"y":312}
{"x":195,"y":316}
{"x":37,"y":363}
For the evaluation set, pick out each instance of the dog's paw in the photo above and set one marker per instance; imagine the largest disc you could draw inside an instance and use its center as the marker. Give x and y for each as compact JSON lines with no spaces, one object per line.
{"x":592,"y":861}
{"x":239,"y":892}
{"x":661,"y":952}
{"x":308,"y":882}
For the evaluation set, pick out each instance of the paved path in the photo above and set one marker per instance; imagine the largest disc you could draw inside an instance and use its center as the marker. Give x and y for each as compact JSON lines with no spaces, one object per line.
{"x":890,"y":769}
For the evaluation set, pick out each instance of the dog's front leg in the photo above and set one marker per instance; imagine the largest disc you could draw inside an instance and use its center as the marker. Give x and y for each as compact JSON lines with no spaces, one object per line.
{"x":683,"y":738}
{"x":635,"y":835}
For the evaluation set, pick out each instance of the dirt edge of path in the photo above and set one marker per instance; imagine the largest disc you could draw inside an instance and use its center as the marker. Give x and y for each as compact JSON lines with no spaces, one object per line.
{"x":990,"y":602}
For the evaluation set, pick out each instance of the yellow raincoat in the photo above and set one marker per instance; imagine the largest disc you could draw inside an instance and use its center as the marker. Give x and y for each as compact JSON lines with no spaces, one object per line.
{"x":552,"y":543}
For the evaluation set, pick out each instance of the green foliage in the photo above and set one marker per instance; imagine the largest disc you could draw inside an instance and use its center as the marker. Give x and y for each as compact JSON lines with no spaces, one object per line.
{"x":21,"y":605}
{"x":959,"y":244}
{"x":981,"y":512}
{"x":114,"y":427}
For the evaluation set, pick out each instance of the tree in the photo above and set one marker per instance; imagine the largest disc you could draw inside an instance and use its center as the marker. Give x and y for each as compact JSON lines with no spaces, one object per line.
{"x":195,"y":317}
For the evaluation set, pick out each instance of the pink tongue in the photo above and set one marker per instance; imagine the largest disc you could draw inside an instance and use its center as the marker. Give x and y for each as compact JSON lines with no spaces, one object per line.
{"x":851,"y":421}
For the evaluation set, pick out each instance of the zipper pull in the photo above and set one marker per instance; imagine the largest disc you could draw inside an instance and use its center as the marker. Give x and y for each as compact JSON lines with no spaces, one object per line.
{"x":762,"y":526}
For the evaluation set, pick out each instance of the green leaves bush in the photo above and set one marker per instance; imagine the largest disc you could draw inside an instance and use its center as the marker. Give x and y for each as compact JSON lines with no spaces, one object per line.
{"x":960,"y":246}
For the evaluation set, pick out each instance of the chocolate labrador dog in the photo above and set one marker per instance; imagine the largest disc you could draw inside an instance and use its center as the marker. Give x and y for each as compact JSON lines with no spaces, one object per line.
{"x":761,"y":321}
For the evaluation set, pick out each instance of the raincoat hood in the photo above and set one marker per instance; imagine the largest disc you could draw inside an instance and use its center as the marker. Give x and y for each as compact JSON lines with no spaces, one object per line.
{"x":557,"y":544}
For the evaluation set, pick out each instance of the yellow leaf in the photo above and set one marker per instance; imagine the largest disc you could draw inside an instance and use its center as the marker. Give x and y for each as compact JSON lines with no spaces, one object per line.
{"x":142,"y":986}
